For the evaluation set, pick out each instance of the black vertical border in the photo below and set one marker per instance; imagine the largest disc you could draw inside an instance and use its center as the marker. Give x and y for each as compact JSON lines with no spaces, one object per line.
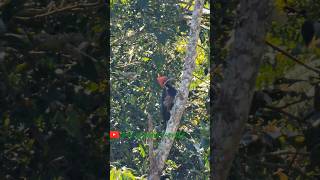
{"x":211,"y":89}
{"x":107,"y":51}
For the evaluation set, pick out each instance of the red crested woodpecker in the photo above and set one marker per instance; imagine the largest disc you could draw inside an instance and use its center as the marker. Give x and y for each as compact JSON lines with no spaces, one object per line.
{"x":168,"y":95}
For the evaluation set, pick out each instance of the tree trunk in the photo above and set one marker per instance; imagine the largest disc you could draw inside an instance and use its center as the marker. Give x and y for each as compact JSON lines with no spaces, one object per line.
{"x":230,"y":111}
{"x":161,"y":154}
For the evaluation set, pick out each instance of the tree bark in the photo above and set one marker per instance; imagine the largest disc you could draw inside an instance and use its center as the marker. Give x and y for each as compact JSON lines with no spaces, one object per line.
{"x":161,"y":154}
{"x":230,"y":111}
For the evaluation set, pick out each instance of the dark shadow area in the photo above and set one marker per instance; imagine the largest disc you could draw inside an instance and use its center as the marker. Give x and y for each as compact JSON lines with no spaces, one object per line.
{"x":53,"y":89}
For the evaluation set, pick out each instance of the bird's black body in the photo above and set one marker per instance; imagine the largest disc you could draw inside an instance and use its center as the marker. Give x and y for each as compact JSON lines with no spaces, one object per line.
{"x":168,"y":95}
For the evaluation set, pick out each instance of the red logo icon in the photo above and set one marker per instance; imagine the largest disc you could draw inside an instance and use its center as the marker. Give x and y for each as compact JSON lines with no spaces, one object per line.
{"x":114,"y":134}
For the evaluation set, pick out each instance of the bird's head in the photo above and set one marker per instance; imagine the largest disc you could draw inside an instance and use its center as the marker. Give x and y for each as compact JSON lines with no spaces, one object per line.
{"x":163,"y":80}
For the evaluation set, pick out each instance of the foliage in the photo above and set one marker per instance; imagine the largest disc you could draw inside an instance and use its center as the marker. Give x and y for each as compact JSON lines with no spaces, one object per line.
{"x":149,"y":38}
{"x":52,"y":90}
{"x":281,"y":139}
{"x":124,"y":173}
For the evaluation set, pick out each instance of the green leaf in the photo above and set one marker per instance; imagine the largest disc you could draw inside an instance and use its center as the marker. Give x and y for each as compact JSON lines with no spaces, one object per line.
{"x":92,"y":87}
{"x":142,"y":152}
{"x":6,"y":122}
{"x":146,"y":59}
{"x":21,"y":67}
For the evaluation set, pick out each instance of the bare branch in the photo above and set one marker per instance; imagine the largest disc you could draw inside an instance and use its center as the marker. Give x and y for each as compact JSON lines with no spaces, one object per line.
{"x":292,"y":57}
{"x":70,"y":7}
{"x":233,"y":102}
{"x":182,"y":96}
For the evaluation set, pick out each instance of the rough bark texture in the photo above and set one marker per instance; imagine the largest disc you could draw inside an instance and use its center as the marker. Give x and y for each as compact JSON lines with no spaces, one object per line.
{"x":150,"y":143}
{"x":181,"y":98}
{"x":234,"y":99}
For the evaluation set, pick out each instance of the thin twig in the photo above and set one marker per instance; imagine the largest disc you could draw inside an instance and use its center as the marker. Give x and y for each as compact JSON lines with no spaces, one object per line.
{"x":203,"y":48}
{"x":295,"y":102}
{"x":292,"y":161}
{"x":201,"y":79}
{"x":67,"y":8}
{"x":292,"y":57}
{"x":83,"y":53}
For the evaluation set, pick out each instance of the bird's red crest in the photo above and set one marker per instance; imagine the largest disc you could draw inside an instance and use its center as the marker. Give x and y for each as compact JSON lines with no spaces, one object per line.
{"x":161,"y":80}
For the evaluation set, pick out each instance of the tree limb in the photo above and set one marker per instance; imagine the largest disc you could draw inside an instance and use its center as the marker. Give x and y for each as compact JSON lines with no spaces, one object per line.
{"x":232,"y":106}
{"x":66,"y":8}
{"x":292,"y":57}
{"x":180,"y":101}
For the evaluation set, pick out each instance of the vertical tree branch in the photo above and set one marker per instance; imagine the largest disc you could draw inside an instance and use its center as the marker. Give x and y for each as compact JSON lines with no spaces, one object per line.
{"x":150,"y":143}
{"x":182,"y":96}
{"x":233,"y":103}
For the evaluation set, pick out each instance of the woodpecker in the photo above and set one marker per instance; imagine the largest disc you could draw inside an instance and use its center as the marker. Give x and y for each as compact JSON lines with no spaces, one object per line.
{"x":168,"y":95}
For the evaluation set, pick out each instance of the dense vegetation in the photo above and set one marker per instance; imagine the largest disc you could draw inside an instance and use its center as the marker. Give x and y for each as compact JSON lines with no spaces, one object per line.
{"x":149,"y":38}
{"x":281,"y":138}
{"x":53,"y":89}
